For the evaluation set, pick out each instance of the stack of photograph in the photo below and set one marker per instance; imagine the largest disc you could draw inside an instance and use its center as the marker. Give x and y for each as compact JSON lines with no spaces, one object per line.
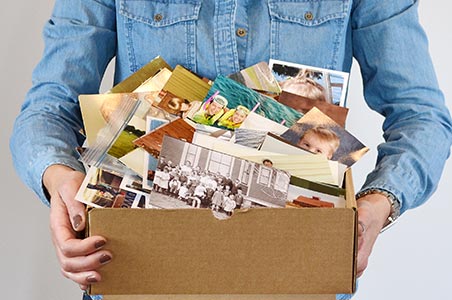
{"x":272,"y":135}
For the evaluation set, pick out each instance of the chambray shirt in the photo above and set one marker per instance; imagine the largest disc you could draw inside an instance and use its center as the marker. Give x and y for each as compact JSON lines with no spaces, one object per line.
{"x":214,"y":37}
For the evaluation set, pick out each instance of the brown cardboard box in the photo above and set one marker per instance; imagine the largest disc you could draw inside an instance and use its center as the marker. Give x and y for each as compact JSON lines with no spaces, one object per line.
{"x":265,"y":253}
{"x":219,"y":297}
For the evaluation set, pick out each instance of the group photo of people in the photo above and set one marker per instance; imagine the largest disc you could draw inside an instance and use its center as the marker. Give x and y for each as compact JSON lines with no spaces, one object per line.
{"x":192,"y":187}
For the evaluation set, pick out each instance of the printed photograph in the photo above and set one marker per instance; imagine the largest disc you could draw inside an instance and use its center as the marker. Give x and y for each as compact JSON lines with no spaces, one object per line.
{"x":139,"y":77}
{"x":136,"y":196}
{"x":258,"y":77}
{"x":228,"y":103}
{"x":305,"y":193}
{"x":319,"y":134}
{"x":304,"y":104}
{"x":191,"y":176}
{"x":152,"y":141}
{"x":155,"y":83}
{"x":255,"y":121}
{"x":150,"y":161}
{"x":275,"y":143}
{"x":173,"y":104}
{"x":101,"y":188}
{"x":318,"y":84}
{"x":249,"y":137}
{"x":187,"y":85}
{"x":306,"y":165}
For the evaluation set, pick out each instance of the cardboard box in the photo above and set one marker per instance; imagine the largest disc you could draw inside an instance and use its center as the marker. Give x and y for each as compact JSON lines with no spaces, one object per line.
{"x":260,"y":253}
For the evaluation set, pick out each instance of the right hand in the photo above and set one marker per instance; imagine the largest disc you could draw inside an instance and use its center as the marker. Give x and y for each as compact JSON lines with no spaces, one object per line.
{"x":79,"y":258}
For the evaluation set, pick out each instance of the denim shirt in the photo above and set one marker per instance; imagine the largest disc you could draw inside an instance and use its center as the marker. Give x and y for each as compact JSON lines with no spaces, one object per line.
{"x":214,"y":37}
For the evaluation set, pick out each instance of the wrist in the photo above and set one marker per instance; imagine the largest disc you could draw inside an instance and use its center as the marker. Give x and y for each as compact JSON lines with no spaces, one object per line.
{"x":52,"y":175}
{"x":386,"y":203}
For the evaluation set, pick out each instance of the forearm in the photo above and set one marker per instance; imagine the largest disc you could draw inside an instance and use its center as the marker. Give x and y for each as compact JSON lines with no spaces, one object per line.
{"x":43,"y":136}
{"x":400,"y":83}
{"x":80,"y":40}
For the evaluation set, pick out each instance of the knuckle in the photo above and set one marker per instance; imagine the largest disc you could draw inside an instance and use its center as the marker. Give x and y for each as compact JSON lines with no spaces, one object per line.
{"x":65,"y":250}
{"x":64,"y":273}
{"x":66,"y":265}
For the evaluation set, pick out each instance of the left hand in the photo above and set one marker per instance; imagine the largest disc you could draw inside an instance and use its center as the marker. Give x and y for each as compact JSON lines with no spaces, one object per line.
{"x":373,"y":211}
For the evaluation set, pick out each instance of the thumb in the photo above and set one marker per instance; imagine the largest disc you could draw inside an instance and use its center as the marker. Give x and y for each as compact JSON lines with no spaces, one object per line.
{"x":75,"y":209}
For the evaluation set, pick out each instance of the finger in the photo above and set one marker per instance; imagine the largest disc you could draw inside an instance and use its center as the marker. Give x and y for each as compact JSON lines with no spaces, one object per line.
{"x":63,"y":235}
{"x":363,"y":260}
{"x":84,"y":263}
{"x":361,"y":228}
{"x":75,"y":209}
{"x":78,"y":247}
{"x":84,"y":279}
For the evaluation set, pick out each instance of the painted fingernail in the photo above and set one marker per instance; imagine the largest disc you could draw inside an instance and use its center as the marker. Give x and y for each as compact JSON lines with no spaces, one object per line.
{"x":99,"y":244}
{"x":91,"y":279}
{"x":77,"y":220}
{"x":104,"y":259}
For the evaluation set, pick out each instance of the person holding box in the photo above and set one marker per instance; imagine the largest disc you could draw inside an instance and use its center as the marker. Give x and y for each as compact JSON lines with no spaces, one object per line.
{"x":222,"y":37}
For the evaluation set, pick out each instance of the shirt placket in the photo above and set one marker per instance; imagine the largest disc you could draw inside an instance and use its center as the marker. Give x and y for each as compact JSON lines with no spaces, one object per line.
{"x":226,"y":55}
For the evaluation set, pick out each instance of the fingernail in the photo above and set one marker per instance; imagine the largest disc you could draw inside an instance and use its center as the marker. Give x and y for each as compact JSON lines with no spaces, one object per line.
{"x":99,"y":244}
{"x":77,"y":220}
{"x":91,"y":279}
{"x":104,"y":258}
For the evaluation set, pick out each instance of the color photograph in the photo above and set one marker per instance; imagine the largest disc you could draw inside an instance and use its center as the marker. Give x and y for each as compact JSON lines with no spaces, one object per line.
{"x":319,"y":84}
{"x":319,"y":134}
{"x":227,"y":94}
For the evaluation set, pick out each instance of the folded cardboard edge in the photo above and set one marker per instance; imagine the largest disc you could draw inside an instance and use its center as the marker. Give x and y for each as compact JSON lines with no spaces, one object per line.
{"x":350,"y":202}
{"x":219,"y":297}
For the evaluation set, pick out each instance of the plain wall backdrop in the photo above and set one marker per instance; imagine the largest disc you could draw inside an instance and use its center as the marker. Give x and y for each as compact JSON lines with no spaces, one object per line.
{"x":410,"y":261}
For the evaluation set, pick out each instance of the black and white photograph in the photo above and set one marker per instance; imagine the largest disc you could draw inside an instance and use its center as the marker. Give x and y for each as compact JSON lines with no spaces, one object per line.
{"x":191,"y":176}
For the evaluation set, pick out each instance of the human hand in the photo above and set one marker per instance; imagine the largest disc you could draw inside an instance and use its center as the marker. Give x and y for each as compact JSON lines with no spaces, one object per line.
{"x":79,"y":258}
{"x":373,"y":211}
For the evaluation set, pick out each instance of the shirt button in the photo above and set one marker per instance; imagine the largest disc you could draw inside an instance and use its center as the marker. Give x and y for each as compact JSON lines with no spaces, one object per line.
{"x":241,"y":32}
{"x":308,"y":16}
{"x":158,"y":17}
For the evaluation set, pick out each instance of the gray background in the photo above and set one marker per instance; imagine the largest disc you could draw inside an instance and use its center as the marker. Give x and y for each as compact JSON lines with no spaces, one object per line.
{"x":410,"y":261}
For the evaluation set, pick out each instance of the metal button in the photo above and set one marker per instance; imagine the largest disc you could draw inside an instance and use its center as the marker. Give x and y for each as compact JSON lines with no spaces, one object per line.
{"x":308,"y":16}
{"x":241,"y":32}
{"x":158,"y":17}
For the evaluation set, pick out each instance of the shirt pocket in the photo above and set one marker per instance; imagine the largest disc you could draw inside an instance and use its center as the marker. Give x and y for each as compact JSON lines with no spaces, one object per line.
{"x":310,"y":32}
{"x":165,"y":27}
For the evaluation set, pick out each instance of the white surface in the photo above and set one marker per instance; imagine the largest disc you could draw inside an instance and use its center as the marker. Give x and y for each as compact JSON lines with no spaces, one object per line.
{"x":411,"y":261}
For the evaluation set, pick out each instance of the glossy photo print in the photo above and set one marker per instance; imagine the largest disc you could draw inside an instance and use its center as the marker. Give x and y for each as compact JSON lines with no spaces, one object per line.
{"x":318,"y":84}
{"x":228,"y":103}
{"x":317,"y":133}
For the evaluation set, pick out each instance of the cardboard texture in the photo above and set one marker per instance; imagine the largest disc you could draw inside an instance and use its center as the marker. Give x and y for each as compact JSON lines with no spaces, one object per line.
{"x":260,"y":251}
{"x":277,"y":252}
{"x":219,"y":297}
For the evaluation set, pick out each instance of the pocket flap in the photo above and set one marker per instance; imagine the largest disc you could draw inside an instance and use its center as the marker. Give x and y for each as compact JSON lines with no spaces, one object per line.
{"x":308,"y":13}
{"x":160,"y":13}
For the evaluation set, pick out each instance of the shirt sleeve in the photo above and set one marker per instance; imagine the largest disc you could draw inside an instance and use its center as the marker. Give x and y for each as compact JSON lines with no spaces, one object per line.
{"x":80,"y":40}
{"x":400,"y":84}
